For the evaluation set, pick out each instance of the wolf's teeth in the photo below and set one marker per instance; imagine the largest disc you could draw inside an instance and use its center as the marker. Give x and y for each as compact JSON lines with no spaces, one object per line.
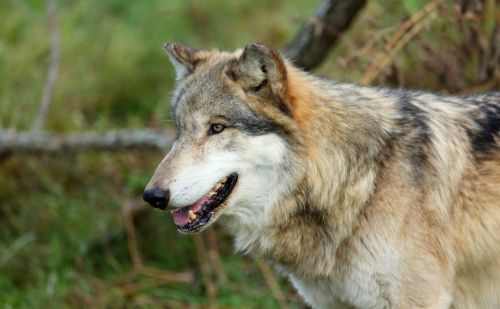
{"x":191,"y":215}
{"x":211,"y":193}
{"x":217,"y":186}
{"x":224,"y":179}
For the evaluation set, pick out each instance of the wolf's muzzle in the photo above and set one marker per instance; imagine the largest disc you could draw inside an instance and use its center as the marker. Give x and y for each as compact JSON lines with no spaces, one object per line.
{"x":157,"y":198}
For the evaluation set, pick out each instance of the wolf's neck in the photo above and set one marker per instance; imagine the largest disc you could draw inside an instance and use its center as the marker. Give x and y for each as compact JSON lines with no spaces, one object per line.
{"x":343,"y":133}
{"x":345,"y":129}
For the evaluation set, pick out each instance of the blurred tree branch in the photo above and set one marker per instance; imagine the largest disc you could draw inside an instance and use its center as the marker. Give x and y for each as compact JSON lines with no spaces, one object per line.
{"x":313,"y":41}
{"x":11,"y":142}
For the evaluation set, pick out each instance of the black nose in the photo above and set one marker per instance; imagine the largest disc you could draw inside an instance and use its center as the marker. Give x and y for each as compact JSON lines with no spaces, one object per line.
{"x":157,"y":198}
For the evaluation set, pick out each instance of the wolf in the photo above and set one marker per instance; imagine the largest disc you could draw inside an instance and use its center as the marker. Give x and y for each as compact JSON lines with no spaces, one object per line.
{"x":363,"y":197}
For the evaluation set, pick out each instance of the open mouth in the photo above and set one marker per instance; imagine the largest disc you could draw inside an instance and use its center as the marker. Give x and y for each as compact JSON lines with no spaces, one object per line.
{"x":192,"y":218}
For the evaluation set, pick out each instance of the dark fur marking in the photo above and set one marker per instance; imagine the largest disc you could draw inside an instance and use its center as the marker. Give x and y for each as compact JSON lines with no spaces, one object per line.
{"x":309,"y":216}
{"x":254,"y":125}
{"x":387,"y":151}
{"x":263,"y":68}
{"x":488,"y":123}
{"x":414,"y":122}
{"x":259,"y":86}
{"x":231,"y":74}
{"x":283,"y":107}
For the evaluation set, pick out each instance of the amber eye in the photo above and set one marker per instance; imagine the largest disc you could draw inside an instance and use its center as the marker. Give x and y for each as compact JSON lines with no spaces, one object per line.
{"x":216,"y":128}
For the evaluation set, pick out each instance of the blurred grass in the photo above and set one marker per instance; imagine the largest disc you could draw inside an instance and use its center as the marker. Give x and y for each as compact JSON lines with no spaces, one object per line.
{"x":61,"y":230}
{"x":113,"y":69}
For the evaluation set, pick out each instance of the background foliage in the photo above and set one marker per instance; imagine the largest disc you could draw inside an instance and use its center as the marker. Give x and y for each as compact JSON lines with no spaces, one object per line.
{"x":62,"y":236}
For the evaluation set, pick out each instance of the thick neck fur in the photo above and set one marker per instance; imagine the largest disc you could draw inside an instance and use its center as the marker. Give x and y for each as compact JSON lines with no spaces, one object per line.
{"x":333,"y":183}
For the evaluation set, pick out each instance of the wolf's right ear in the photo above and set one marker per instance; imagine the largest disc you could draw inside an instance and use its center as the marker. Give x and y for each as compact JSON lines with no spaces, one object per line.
{"x":262,"y":71}
{"x":261,"y":65}
{"x":185,"y":59}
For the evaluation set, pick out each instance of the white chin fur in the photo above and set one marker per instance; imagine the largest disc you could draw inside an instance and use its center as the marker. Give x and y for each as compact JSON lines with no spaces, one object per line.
{"x":257,"y":161}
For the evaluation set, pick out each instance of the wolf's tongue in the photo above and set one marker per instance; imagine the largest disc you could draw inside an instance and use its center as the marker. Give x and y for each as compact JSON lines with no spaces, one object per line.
{"x":181,"y":216}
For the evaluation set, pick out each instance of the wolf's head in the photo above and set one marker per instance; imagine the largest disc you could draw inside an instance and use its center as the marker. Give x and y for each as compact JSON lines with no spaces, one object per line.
{"x":235,"y":132}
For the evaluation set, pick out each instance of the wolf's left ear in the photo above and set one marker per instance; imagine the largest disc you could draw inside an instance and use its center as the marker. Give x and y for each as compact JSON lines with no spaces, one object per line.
{"x":262,"y":66}
{"x":185,"y":59}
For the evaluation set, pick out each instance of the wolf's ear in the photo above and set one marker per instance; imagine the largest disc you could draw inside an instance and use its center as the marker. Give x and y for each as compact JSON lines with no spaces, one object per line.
{"x":261,"y":66}
{"x":185,"y":59}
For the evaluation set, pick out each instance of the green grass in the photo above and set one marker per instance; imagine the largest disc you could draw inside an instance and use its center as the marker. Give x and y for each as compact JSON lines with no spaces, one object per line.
{"x":62,"y":239}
